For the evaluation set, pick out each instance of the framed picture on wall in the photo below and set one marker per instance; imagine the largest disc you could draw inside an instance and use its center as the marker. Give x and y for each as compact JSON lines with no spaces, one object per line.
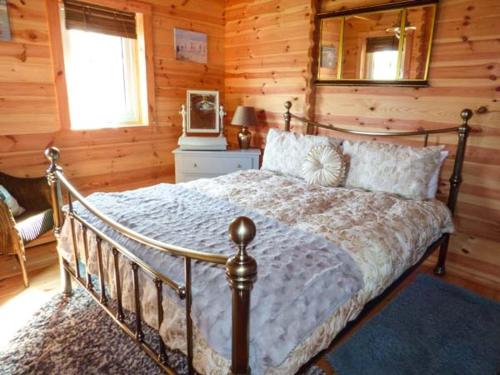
{"x":190,"y":46}
{"x":4,"y":21}
{"x":328,"y":57}
{"x":203,"y":111}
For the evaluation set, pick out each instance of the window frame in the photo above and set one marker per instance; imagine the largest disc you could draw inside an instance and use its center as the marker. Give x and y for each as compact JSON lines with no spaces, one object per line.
{"x":145,"y":61}
{"x":133,"y":116}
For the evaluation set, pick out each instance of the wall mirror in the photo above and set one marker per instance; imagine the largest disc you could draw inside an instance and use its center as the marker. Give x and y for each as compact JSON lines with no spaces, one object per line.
{"x":380,"y":45}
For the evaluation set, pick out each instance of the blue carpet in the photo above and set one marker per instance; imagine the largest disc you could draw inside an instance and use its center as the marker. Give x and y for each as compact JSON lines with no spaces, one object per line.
{"x":430,"y":328}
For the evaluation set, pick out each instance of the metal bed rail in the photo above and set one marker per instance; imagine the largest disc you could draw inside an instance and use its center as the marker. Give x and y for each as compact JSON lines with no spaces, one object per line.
{"x":240,"y":271}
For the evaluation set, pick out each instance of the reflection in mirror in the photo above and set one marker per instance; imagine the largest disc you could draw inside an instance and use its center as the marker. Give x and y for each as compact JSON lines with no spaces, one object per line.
{"x":370,"y":51}
{"x":418,"y":33}
{"x":381,"y":58}
{"x":329,"y":51}
{"x":383,"y":45}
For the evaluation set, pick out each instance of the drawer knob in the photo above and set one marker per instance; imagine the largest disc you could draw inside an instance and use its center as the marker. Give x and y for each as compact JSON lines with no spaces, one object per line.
{"x":195,"y":165}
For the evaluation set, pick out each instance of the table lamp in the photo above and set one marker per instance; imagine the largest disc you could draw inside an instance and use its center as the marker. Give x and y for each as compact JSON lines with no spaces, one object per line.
{"x":244,"y":117}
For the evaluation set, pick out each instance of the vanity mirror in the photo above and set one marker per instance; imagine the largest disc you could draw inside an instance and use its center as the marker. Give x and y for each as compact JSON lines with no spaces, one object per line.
{"x":386,"y":44}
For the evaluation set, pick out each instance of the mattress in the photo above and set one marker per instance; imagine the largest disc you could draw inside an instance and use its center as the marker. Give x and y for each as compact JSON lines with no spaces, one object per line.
{"x":382,"y":233}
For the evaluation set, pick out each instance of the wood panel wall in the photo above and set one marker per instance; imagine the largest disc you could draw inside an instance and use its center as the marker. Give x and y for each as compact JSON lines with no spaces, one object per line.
{"x":110,"y":159}
{"x":260,"y":55}
{"x":267,"y":44}
{"x":267,"y":57}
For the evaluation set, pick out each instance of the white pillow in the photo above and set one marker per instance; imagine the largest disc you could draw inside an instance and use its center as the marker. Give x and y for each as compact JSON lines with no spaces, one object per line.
{"x":11,"y":202}
{"x":402,"y":170}
{"x":285,"y":151}
{"x":324,"y":165}
{"x":434,"y":183}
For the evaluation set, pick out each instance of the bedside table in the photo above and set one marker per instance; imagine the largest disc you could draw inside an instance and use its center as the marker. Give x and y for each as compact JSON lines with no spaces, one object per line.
{"x":191,"y":165}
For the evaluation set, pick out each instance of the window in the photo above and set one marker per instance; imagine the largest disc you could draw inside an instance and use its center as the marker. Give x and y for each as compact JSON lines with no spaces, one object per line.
{"x":104,"y":64}
{"x":382,"y":65}
{"x":382,"y":58}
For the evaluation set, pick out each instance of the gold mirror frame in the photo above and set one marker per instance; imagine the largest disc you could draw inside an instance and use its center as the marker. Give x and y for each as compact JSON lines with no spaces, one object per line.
{"x":402,"y":6}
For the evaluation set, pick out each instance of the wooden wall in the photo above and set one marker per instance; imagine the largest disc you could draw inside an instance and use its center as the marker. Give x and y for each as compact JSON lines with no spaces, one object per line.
{"x":111,"y":159}
{"x":266,"y":48}
{"x":260,"y":55}
{"x":267,"y":59}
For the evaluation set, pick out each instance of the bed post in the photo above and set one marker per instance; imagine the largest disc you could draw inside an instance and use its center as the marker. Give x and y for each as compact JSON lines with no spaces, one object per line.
{"x":455,"y":181}
{"x":52,"y":154}
{"x":241,"y":272}
{"x":287,"y":115}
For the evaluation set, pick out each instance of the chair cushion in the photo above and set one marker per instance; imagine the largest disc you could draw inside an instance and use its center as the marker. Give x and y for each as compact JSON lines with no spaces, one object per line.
{"x":11,"y":202}
{"x":32,"y":225}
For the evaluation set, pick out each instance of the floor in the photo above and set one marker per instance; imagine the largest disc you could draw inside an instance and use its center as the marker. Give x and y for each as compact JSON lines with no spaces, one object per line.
{"x":18,"y":304}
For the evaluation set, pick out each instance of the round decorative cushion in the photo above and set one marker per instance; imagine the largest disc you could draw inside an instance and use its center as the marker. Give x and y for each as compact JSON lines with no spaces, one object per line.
{"x":324,"y":165}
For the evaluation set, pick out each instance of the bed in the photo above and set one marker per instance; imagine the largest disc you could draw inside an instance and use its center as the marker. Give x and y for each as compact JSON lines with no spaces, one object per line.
{"x":304,"y":261}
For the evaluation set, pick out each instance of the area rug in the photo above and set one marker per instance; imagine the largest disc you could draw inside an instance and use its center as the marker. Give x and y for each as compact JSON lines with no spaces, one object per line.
{"x":74,"y":336}
{"x":432,"y":327}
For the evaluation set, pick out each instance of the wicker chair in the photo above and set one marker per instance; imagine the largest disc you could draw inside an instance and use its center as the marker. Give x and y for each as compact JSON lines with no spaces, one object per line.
{"x":17,"y":233}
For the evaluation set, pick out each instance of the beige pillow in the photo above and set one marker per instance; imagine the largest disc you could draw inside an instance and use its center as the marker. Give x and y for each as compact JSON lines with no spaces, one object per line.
{"x":434,"y":182}
{"x":391,"y":168}
{"x":324,"y":165}
{"x":285,"y":151}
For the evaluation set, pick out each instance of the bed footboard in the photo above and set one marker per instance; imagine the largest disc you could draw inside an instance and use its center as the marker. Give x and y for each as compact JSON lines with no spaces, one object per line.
{"x":240,"y":270}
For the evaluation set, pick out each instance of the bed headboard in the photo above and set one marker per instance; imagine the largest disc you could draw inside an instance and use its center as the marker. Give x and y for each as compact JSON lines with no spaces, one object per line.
{"x":462,"y":130}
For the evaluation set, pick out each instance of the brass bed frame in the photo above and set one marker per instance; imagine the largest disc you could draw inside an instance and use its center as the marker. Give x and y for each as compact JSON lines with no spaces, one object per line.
{"x":240,"y":269}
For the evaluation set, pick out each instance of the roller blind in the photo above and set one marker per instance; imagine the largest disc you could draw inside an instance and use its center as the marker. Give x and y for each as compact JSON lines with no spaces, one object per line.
{"x":383,"y":43}
{"x":90,"y":17}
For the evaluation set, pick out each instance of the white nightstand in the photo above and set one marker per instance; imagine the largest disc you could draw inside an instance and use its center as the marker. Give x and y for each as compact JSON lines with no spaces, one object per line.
{"x":191,"y":165}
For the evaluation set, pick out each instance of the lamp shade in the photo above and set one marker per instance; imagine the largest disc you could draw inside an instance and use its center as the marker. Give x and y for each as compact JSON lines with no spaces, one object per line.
{"x":244,"y":116}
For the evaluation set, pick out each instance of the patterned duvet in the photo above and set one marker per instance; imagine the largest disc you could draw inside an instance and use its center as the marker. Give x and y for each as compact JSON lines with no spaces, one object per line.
{"x":383,"y":233}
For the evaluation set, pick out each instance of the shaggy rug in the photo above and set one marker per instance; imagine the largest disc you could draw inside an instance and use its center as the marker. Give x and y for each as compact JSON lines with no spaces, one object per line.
{"x":432,"y":327}
{"x":74,"y":336}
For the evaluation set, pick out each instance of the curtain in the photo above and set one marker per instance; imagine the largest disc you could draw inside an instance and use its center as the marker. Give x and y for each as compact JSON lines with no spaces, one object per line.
{"x":84,"y":16}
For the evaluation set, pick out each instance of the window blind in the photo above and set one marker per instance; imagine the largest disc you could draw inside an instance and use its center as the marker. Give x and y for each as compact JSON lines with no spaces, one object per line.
{"x":383,"y":43}
{"x":89,"y":17}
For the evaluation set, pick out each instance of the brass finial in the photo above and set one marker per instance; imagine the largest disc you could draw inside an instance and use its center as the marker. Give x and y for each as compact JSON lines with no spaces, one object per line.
{"x":241,"y":273}
{"x":241,"y":269}
{"x":52,"y":154}
{"x":466,"y":115}
{"x":287,"y":115}
{"x":242,"y":231}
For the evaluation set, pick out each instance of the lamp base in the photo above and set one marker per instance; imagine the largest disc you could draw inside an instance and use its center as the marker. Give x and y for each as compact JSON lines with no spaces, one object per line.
{"x":244,"y":138}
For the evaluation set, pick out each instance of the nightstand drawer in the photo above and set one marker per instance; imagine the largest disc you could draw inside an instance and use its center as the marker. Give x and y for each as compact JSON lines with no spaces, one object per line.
{"x":214,"y":165}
